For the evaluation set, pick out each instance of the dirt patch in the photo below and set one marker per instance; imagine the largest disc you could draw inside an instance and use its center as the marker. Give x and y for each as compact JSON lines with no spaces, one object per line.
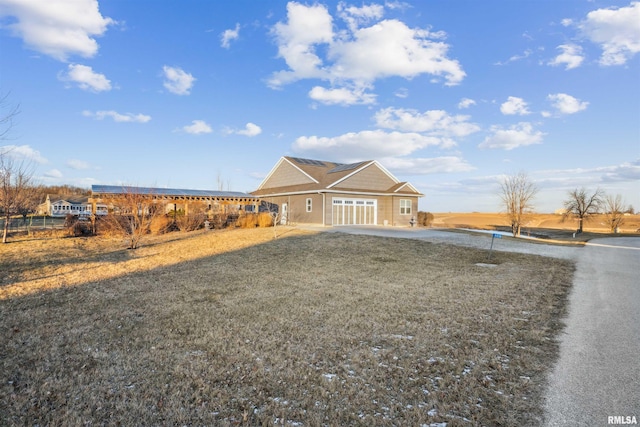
{"x":236,"y":328}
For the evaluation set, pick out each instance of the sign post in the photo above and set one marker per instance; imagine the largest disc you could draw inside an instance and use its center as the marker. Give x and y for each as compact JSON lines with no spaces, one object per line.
{"x":495,"y":236}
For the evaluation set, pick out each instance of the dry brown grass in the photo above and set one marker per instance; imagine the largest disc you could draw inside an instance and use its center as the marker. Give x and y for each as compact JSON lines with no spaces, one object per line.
{"x":235,"y":328}
{"x":596,"y":224}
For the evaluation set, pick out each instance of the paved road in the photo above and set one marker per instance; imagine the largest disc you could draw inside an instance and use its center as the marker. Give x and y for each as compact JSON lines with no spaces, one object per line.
{"x":598,"y":374}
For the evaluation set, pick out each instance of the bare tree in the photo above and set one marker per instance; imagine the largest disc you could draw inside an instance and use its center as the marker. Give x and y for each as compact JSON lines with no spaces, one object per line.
{"x":133,"y":214}
{"x":517,"y":193}
{"x":581,"y":204}
{"x":274,"y":212}
{"x":16,"y":188}
{"x":614,"y":211}
{"x":6,"y":119}
{"x":192,"y":220}
{"x":15,"y":176}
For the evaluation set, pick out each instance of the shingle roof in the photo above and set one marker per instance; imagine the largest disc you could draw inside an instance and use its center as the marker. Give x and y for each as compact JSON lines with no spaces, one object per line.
{"x":71,"y":198}
{"x":327,"y":174}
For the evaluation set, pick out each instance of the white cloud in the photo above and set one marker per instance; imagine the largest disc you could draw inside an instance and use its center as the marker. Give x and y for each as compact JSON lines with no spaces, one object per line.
{"x":435,"y":123}
{"x":629,"y":171}
{"x":177,"y":80}
{"x":358,"y":16}
{"x":78,"y":164}
{"x":567,"y":104}
{"x":617,"y":31}
{"x":571,"y":56}
{"x":23,"y":152}
{"x":306,"y":26}
{"x":399,"y":51}
{"x":527,"y":53}
{"x":515,"y":136}
{"x":53,"y":173}
{"x":466,"y":103}
{"x":424,"y":166}
{"x":197,"y":127}
{"x":514,"y":105}
{"x":356,"y":146}
{"x":118,"y":117}
{"x":57,"y":28}
{"x":402,"y":93}
{"x":85,"y":78}
{"x":400,"y":5}
{"x":571,"y":178}
{"x":341,"y":96}
{"x":228,"y":35}
{"x":250,"y":130}
{"x":356,"y":57}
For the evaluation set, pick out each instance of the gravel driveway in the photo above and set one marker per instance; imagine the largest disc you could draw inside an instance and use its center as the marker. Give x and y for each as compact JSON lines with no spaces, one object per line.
{"x":480,"y":240}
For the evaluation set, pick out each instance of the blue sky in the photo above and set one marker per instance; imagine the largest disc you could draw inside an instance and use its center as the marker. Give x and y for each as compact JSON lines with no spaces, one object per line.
{"x":449,"y":95}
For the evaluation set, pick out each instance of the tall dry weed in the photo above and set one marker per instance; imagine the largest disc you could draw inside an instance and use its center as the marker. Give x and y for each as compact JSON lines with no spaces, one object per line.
{"x":253,"y":220}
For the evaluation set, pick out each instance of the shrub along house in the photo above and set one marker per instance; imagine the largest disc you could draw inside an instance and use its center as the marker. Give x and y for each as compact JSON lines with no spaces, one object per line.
{"x":328,"y":193}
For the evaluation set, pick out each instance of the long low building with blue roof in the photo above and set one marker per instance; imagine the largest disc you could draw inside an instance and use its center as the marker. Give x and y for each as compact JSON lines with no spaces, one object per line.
{"x":174,"y":198}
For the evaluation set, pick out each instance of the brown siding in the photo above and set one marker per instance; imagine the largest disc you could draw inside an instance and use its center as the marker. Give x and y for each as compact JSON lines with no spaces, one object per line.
{"x":404,"y":219}
{"x":297,"y":207}
{"x":286,"y":175}
{"x":371,"y":178}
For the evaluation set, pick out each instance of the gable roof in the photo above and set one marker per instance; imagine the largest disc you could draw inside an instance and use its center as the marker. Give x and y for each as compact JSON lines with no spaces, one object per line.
{"x":73,"y":199}
{"x":298,"y":175}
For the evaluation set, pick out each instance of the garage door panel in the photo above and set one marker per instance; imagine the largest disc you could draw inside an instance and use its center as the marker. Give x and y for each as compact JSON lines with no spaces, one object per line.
{"x":354,"y":212}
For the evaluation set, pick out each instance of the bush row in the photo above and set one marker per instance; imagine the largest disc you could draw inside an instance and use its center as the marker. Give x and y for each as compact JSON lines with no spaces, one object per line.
{"x":114,"y":224}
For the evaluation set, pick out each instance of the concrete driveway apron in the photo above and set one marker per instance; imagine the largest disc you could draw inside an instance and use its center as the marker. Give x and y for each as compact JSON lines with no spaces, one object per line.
{"x":598,"y":373}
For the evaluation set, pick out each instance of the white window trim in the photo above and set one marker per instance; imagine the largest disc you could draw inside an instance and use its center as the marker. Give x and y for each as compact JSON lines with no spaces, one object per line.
{"x":309,"y":204}
{"x":407,"y":210}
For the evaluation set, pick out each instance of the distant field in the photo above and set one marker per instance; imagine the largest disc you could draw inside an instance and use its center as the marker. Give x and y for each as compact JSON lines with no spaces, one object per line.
{"x":547,"y":225}
{"x":235,"y":328}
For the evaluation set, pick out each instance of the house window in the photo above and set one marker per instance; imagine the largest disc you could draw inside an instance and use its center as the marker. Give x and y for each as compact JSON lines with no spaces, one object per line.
{"x":308,"y":205}
{"x":405,"y":207}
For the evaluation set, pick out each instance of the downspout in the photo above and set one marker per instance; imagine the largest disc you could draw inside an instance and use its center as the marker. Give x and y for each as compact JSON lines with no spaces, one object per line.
{"x":393,"y":209}
{"x":324,"y":209}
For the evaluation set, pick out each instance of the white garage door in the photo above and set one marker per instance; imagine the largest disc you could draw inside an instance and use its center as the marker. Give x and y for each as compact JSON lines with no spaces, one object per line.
{"x":354,"y":211}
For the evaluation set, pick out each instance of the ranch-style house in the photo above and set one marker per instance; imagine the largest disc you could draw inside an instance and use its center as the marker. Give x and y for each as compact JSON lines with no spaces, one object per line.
{"x":63,"y":205}
{"x":333,"y":194}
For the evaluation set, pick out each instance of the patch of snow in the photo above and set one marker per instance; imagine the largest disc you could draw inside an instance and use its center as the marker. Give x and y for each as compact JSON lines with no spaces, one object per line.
{"x":402,"y":337}
{"x":482,"y":264}
{"x":329,"y":376}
